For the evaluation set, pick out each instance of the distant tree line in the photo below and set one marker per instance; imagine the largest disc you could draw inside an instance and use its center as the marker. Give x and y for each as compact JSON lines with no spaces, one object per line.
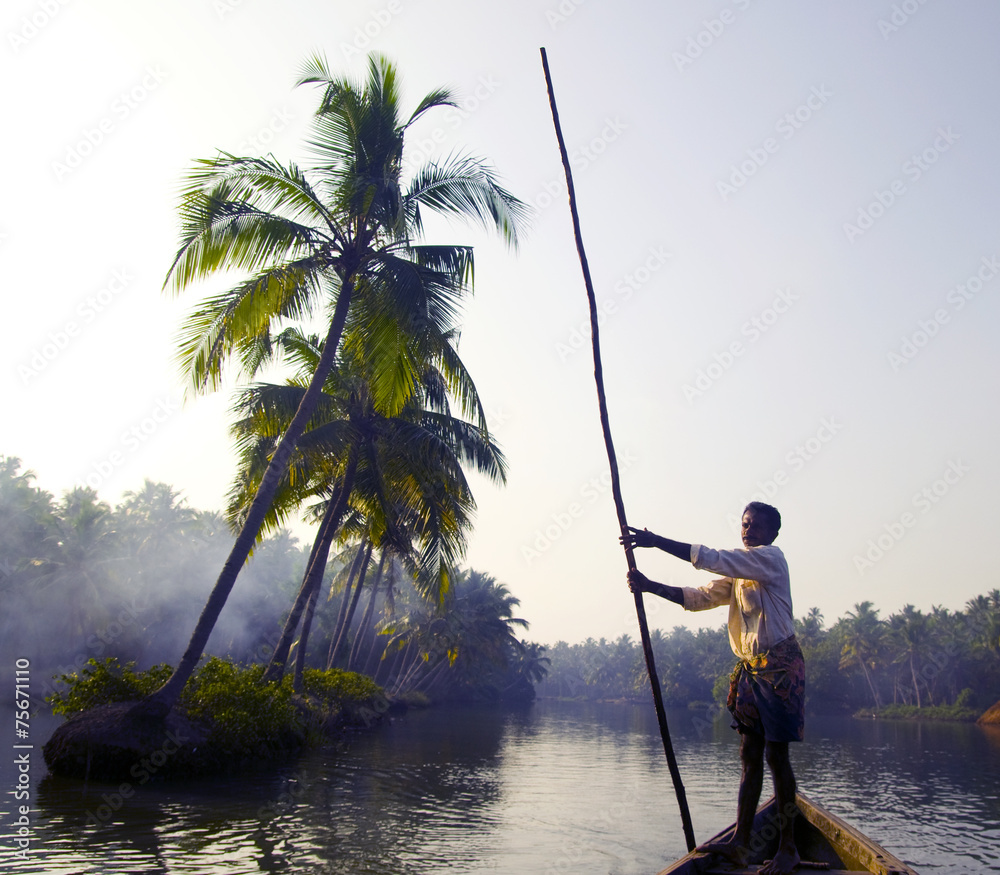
{"x":82,"y":580}
{"x":908,"y":660}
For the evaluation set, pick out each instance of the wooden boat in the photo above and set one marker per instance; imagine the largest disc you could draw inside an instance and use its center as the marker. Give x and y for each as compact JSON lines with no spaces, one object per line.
{"x":825,"y":843}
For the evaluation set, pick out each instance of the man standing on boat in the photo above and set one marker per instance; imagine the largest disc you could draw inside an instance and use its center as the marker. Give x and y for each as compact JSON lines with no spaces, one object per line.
{"x":767,"y":687}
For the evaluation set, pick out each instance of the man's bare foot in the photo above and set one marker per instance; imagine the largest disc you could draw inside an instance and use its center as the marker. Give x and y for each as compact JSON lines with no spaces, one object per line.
{"x":784,"y":862}
{"x":732,"y":851}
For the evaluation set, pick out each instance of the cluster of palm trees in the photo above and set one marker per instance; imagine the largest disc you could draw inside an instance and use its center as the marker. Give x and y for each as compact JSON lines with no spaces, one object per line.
{"x":82,"y":580}
{"x":688,"y":665}
{"x":916,"y":658}
{"x":362,"y":431}
{"x":861,"y":662}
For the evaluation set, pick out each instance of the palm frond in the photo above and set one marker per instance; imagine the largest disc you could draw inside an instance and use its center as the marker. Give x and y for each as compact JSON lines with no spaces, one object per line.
{"x":241,"y":316}
{"x":465,"y":187}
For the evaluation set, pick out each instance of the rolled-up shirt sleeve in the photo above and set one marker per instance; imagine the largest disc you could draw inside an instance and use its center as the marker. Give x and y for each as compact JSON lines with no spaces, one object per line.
{"x":712,"y":595}
{"x":758,"y":563}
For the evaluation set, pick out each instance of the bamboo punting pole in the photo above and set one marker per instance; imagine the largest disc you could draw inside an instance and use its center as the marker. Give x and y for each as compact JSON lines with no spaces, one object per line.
{"x":616,"y":491}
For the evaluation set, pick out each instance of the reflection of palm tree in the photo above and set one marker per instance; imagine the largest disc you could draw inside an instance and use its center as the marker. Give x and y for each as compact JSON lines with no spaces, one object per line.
{"x":864,"y":640}
{"x":340,"y":237}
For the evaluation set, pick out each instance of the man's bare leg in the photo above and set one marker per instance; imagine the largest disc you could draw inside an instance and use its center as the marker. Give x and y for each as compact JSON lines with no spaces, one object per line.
{"x":737,"y":849}
{"x":787,"y":857}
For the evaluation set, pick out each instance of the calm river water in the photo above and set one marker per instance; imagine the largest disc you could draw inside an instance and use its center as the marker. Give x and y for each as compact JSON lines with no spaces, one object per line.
{"x":553,"y":788}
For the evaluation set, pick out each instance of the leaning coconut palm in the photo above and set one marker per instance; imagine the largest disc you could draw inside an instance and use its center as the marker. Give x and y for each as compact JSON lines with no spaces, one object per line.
{"x":338,"y":238}
{"x":457,"y":649}
{"x":399,"y":480}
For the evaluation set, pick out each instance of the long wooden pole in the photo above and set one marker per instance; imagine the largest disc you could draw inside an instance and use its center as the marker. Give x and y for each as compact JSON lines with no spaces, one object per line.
{"x":616,"y":490}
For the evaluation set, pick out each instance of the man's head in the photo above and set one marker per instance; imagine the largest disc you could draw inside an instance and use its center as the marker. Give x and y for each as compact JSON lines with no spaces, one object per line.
{"x":760,"y":524}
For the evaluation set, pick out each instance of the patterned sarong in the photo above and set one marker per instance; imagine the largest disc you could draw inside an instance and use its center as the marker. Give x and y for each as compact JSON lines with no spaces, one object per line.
{"x":767,"y":693}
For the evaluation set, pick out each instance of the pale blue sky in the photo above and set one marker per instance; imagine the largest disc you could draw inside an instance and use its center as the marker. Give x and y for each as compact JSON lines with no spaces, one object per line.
{"x":753,"y":341}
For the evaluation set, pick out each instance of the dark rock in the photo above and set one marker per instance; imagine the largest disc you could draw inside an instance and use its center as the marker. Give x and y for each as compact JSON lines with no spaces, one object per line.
{"x":114,"y":742}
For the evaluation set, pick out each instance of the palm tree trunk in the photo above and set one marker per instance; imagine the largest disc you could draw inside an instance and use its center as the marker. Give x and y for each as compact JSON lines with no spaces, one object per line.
{"x":916,"y":686}
{"x":871,"y":686}
{"x":417,"y":670}
{"x":161,"y":701}
{"x":276,"y":667}
{"x":344,"y":629}
{"x":382,"y":669}
{"x":313,"y":577}
{"x":432,"y":676}
{"x":366,"y":619}
{"x":345,"y":602}
{"x":300,"y":655}
{"x":389,"y":671}
{"x":402,"y":669}
{"x":373,"y":657}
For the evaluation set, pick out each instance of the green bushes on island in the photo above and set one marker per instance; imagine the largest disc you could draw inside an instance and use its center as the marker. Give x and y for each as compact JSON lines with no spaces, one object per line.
{"x":241,"y":716}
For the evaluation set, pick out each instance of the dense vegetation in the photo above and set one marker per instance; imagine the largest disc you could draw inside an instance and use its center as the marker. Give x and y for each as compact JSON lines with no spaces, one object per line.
{"x":941,"y":664}
{"x":81,"y":580}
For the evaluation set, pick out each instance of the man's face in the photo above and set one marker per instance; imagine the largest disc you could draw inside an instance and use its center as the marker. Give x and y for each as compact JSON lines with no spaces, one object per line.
{"x":755,"y":531}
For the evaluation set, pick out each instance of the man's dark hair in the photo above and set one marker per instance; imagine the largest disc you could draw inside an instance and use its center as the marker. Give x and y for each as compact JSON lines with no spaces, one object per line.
{"x":770,"y":514}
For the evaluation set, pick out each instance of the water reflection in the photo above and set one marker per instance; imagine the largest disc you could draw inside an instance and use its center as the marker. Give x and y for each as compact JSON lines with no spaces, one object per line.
{"x":554,"y":788}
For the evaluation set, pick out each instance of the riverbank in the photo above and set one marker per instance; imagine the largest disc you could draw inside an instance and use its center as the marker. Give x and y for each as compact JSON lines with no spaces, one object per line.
{"x":953,"y":713}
